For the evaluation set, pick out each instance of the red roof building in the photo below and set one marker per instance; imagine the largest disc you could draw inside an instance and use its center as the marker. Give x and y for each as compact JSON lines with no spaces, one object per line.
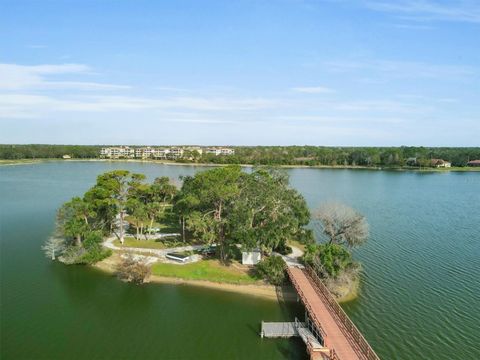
{"x":474,"y":163}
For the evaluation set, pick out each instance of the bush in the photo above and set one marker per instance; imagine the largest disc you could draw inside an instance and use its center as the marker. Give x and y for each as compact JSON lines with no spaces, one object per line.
{"x":133,"y":271}
{"x":94,"y":250}
{"x":328,"y":260}
{"x":72,"y":254}
{"x":272,"y":269}
{"x":89,"y":253}
{"x":93,"y":256}
{"x":283,"y":249}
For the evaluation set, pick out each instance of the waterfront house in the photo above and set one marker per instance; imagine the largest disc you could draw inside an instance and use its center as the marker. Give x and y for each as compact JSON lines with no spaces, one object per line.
{"x":438,"y":163}
{"x":473,"y":163}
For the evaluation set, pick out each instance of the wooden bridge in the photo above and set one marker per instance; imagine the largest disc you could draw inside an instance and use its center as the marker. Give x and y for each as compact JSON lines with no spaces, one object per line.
{"x":326,"y":320}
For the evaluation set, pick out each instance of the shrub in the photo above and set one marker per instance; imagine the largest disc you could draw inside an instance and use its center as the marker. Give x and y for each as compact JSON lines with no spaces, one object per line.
{"x":72,"y":254}
{"x":133,"y":271}
{"x":328,"y":260}
{"x":283,"y":249}
{"x":272,"y":269}
{"x":90,"y":252}
{"x":94,"y":250}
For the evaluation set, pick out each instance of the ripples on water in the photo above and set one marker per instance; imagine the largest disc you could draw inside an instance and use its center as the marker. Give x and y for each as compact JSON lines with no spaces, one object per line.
{"x":420,"y":288}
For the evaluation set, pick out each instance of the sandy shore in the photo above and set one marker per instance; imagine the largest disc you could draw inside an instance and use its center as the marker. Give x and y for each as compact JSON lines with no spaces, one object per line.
{"x":264,"y":291}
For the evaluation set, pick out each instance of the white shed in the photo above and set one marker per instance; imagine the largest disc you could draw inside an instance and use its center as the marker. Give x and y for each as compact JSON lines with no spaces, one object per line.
{"x":251,"y":257}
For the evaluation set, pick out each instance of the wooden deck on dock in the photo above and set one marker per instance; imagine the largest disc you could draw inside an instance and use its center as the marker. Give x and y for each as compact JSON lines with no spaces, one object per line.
{"x":278,"y":329}
{"x":339,"y":334}
{"x":290,"y":329}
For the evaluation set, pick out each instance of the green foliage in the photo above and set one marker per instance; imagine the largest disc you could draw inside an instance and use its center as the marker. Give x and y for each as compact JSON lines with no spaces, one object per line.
{"x":276,"y":155}
{"x":48,"y":151}
{"x":94,"y":255}
{"x":268,"y":212}
{"x":90,"y":252}
{"x":83,"y":222}
{"x":283,"y":249}
{"x":94,"y":250}
{"x":205,"y":201}
{"x":344,"y":156}
{"x":328,"y":260}
{"x":226,"y":206}
{"x":272,"y":269}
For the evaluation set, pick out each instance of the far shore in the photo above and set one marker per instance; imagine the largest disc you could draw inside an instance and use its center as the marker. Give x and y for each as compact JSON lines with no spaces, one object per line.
{"x":264,"y":291}
{"x":168,"y":162}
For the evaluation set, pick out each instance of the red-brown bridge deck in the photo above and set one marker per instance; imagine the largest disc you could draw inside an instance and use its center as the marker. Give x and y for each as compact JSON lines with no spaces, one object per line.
{"x":342,"y":344}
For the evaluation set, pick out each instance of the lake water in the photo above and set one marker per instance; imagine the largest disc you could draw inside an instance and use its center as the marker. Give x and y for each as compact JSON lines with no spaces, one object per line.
{"x":420,"y":296}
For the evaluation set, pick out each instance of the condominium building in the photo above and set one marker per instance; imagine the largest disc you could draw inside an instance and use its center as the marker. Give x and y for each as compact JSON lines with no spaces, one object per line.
{"x":117,"y":152}
{"x":175,"y":153}
{"x":160,"y":153}
{"x":172,"y":153}
{"x":144,"y":152}
{"x":219,"y":151}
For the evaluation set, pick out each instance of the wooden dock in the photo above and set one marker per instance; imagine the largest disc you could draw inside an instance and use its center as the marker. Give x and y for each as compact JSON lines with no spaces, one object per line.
{"x":278,"y":329}
{"x":336,"y":331}
{"x":295,"y":328}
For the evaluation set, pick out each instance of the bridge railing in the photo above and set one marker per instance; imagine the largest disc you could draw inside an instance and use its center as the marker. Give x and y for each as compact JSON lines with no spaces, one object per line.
{"x":309,"y":309}
{"x":352,"y":331}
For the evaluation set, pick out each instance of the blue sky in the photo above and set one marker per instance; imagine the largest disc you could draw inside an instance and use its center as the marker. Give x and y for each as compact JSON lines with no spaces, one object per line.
{"x":331,"y":72}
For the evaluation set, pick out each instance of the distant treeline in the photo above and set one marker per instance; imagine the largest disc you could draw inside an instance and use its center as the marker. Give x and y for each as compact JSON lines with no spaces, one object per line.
{"x":13,"y":152}
{"x":278,"y":155}
{"x":347,"y":156}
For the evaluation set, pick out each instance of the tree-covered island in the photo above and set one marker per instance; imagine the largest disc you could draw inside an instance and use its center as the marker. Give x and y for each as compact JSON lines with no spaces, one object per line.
{"x":210,"y":219}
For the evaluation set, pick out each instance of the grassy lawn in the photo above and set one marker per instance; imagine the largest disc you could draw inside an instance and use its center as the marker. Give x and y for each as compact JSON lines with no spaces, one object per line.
{"x":147,"y":244}
{"x":209,"y":270}
{"x":168,"y":223}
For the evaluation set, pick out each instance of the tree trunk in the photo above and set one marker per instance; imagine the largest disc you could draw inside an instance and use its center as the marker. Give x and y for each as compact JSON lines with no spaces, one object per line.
{"x":223,"y":255}
{"x":183,"y":228}
{"x":121,"y":226}
{"x":53,"y":254}
{"x":78,"y":240}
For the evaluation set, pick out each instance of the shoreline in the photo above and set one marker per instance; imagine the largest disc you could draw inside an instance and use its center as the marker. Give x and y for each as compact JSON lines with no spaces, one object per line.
{"x":4,"y":162}
{"x":268,"y":292}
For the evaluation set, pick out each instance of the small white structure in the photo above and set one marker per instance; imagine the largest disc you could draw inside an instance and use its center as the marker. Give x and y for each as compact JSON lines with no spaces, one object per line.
{"x":251,"y":257}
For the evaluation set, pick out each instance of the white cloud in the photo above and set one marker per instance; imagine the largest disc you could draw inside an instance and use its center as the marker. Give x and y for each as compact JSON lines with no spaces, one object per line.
{"x":27,"y":105}
{"x":35,"y":77}
{"x":429,"y":10}
{"x":313,"y":90}
{"x":401,"y":69}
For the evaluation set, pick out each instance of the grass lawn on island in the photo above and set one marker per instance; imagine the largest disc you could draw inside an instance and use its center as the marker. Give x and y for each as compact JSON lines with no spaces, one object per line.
{"x":167,"y":224}
{"x":208,"y":270}
{"x":131,"y":242}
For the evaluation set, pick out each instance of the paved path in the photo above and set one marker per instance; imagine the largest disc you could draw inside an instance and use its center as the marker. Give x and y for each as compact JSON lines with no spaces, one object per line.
{"x":292,"y":259}
{"x":335,"y":338}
